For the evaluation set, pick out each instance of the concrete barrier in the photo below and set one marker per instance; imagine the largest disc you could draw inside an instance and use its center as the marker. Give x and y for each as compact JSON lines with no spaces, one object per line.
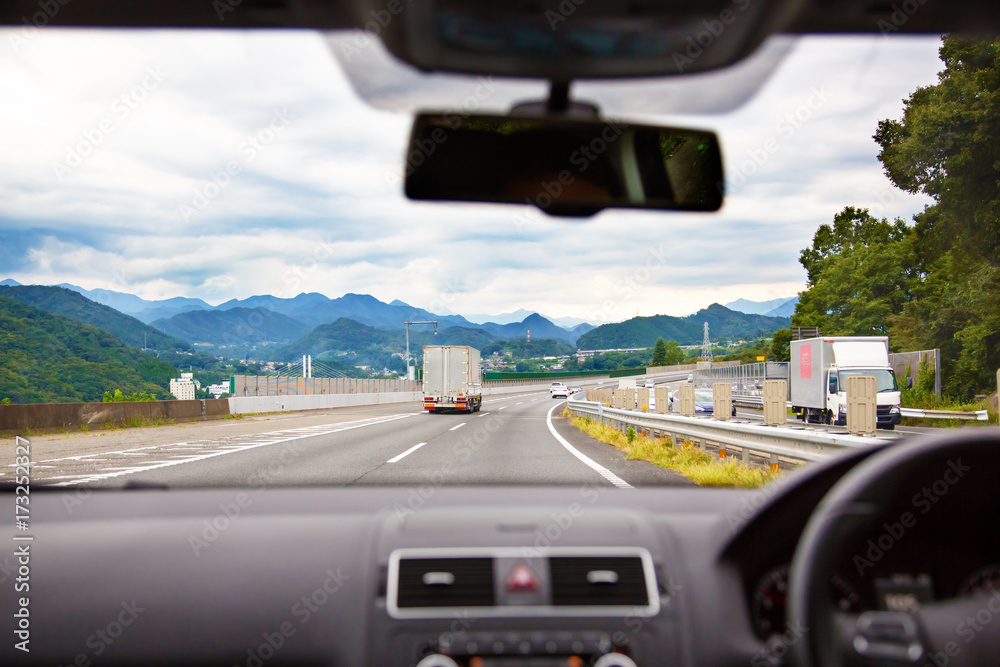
{"x":249,"y":404}
{"x":15,"y":419}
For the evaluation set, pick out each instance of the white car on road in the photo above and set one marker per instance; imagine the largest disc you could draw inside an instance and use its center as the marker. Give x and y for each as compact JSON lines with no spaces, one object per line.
{"x":559,"y":390}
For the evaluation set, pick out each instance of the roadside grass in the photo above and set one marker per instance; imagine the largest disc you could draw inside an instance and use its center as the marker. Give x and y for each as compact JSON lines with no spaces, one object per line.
{"x":696,"y":465}
{"x":136,"y":422}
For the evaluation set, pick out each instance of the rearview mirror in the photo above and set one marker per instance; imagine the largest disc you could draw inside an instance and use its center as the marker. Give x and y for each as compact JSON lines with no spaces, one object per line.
{"x":563,"y":166}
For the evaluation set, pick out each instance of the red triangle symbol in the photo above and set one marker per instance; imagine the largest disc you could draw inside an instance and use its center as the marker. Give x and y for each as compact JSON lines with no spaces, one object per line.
{"x":521,"y":578}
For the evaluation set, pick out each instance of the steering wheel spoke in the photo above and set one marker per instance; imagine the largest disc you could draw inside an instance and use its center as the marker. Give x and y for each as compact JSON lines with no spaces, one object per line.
{"x":878,"y":637}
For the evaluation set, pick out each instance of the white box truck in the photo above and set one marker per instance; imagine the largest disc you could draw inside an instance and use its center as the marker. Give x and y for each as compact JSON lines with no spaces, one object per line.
{"x":818,"y":377}
{"x":452,"y":379}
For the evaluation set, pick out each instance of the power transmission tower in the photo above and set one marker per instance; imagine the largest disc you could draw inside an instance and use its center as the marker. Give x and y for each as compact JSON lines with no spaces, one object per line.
{"x":706,"y":346}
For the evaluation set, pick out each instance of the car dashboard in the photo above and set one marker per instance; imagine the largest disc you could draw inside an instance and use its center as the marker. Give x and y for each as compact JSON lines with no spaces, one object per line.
{"x":442,"y":576}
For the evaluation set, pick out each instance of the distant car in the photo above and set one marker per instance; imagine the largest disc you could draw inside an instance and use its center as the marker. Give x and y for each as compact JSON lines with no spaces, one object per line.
{"x":690,"y":377}
{"x":559,"y":390}
{"x":703,"y":403}
{"x":649,"y":384}
{"x":574,"y":390}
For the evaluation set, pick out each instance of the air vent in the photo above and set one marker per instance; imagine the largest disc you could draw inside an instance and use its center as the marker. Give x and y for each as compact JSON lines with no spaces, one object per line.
{"x":598,"y":581}
{"x":445,"y":582}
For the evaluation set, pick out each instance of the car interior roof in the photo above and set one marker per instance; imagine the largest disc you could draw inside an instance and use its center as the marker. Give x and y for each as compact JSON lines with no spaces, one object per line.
{"x":786,"y":16}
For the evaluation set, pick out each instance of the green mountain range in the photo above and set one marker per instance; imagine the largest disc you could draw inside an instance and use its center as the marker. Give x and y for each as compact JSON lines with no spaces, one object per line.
{"x":236,"y":327}
{"x":360,"y":344}
{"x":76,"y":306}
{"x":643,"y":331}
{"x":49,"y":358}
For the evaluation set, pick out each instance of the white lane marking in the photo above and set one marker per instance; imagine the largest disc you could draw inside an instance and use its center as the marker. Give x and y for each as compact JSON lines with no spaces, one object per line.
{"x":412,"y":449}
{"x":521,"y":403}
{"x":601,"y":470}
{"x":108,"y":473}
{"x":455,"y":428}
{"x":504,"y":407}
{"x":482,"y":414}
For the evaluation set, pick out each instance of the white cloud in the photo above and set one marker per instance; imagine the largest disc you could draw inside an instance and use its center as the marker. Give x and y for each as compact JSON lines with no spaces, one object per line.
{"x":316,"y":206}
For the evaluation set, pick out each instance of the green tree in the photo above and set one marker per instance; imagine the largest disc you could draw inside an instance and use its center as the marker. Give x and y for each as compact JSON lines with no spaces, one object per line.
{"x":659,"y":353}
{"x":781,"y":344}
{"x":861,"y":273}
{"x":947,"y":146}
{"x":673,"y":354}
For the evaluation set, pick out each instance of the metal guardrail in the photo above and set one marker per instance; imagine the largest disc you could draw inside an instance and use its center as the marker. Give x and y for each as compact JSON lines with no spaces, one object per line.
{"x":796,"y":443}
{"x":978,"y":415}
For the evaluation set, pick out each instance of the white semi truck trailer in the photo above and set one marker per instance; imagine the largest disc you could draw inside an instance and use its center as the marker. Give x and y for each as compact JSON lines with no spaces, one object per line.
{"x":452,"y":379}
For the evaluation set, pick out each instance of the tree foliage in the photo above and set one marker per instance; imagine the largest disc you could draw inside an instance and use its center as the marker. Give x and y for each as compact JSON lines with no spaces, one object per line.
{"x":659,"y":353}
{"x":860,"y":275}
{"x":935,"y":284}
{"x":117,"y":396}
{"x":781,"y":345}
{"x":49,"y":358}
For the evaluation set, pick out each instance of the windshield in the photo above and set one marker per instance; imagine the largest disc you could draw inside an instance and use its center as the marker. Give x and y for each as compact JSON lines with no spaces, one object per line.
{"x":885,"y":379}
{"x":703,"y":395}
{"x":212,"y":226}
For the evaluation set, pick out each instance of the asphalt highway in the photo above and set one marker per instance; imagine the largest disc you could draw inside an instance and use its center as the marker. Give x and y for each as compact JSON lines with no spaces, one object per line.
{"x":515,"y":439}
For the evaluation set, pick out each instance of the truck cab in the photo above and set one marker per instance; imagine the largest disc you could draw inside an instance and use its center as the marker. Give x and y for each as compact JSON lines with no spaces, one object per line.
{"x":887,"y":402}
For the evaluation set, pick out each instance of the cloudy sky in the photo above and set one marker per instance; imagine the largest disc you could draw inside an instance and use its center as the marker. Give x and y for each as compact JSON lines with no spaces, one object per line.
{"x":221,"y":165}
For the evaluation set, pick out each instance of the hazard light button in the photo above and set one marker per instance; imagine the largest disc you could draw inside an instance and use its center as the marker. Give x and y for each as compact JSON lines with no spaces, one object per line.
{"x":522,"y":579}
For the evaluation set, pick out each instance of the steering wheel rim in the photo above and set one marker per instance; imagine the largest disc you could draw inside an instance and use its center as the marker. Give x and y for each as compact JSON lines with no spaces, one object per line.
{"x":826,"y":632}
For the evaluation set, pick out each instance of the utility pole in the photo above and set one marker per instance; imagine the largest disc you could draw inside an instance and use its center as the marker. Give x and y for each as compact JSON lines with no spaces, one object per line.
{"x":409,"y":370}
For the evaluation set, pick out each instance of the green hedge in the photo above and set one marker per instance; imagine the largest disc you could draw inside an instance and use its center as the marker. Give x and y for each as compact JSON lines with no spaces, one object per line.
{"x":626,"y":372}
{"x":495,"y":375}
{"x":622,"y":372}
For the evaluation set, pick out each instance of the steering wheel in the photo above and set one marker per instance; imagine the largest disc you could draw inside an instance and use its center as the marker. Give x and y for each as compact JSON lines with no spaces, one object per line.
{"x":947,"y":633}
